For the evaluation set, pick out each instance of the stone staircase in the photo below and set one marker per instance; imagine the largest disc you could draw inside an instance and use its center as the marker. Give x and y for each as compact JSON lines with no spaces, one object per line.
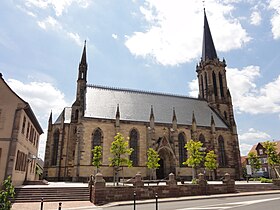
{"x":51,"y":194}
{"x":255,"y":187}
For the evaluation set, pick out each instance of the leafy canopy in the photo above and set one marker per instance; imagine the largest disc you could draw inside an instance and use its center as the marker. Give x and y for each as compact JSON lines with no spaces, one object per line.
{"x":153,"y":158}
{"x":211,"y":160}
{"x":120,"y":151}
{"x":254,"y":160}
{"x":97,"y":154}
{"x":195,"y":153}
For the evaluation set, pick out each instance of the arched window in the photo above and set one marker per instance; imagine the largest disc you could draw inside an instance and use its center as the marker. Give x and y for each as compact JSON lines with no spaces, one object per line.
{"x":225,"y":114}
{"x":202,"y":86}
{"x":202,"y":139}
{"x":214,"y":83}
{"x":206,"y":83}
{"x":222,"y":152}
{"x":76,"y":114}
{"x":55,"y":147}
{"x":133,"y":143}
{"x":182,"y":150}
{"x":96,"y":138}
{"x":221,"y":84}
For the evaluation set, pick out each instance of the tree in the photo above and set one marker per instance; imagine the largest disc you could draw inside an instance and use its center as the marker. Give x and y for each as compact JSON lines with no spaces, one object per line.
{"x":97,"y":157}
{"x":273,"y":158}
{"x":7,"y":193}
{"x":254,"y":161}
{"x":195,"y":155}
{"x":211,"y":163}
{"x":120,"y":151}
{"x":152,"y":164}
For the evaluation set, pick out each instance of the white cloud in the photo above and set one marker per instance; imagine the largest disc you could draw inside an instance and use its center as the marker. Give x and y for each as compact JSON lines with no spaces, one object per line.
{"x":174,"y":30}
{"x":250,"y":138}
{"x":49,"y":23}
{"x":115,"y":36}
{"x":59,"y":6}
{"x":42,"y":96}
{"x":275,"y":20}
{"x":255,"y":18}
{"x":246,"y":96}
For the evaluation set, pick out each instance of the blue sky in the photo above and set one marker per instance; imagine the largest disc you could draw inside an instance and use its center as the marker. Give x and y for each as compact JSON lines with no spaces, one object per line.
{"x":149,"y":45}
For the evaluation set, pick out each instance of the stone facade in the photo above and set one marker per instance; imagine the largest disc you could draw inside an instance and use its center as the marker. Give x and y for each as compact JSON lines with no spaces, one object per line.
{"x":72,"y":136}
{"x":19,"y":137}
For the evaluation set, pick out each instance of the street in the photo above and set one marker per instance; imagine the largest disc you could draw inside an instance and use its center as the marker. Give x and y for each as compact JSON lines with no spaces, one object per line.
{"x":269,"y":202}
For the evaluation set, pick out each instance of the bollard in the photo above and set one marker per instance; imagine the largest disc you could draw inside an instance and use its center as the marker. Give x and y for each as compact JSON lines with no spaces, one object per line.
{"x":134,"y":200}
{"x":59,"y":206}
{"x":42,"y":203}
{"x":156,"y":201}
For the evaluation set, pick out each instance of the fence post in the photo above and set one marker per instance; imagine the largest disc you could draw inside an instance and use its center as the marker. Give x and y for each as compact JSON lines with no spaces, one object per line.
{"x":42,"y":203}
{"x":156,"y":201}
{"x":59,"y":206}
{"x":134,"y":200}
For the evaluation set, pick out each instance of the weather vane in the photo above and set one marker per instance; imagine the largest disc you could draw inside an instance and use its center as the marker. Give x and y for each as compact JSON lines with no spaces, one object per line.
{"x":203,"y":3}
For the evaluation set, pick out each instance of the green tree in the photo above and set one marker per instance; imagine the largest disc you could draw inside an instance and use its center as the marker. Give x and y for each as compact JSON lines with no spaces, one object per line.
{"x":273,"y":158}
{"x":152,"y":164}
{"x":254,"y":161}
{"x":120,"y":155}
{"x":195,"y":155}
{"x":211,"y":163}
{"x":7,"y":193}
{"x":97,"y":157}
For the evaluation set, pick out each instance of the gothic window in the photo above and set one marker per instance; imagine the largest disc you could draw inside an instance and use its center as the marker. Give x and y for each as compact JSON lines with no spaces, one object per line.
{"x":225,"y":114}
{"x":133,"y":143}
{"x":182,"y":150}
{"x":96,"y":138}
{"x":222,"y":152}
{"x":76,"y":114}
{"x":221,"y":84}
{"x":202,"y":139}
{"x":55,"y":147}
{"x":214,"y":83}
{"x":202,"y":87}
{"x":206,"y":82}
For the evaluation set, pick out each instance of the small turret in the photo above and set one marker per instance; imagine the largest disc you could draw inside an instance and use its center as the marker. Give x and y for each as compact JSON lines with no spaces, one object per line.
{"x":174,"y":120}
{"x":152,"y":118}
{"x":117,"y":124}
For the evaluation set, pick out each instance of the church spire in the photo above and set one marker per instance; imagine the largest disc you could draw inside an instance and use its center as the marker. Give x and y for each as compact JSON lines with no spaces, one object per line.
{"x":84,"y":55}
{"x":208,"y":47}
{"x":83,"y":64}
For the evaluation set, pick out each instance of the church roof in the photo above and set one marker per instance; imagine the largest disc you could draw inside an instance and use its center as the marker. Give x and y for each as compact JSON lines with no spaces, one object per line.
{"x":102,"y":102}
{"x":65,"y":114}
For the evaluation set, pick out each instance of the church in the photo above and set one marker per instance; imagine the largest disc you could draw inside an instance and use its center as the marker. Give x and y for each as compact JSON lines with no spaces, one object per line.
{"x":164,"y":122}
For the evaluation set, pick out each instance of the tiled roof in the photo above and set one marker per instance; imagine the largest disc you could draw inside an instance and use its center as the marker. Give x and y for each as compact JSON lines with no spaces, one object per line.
{"x":102,"y":102}
{"x":253,"y":149}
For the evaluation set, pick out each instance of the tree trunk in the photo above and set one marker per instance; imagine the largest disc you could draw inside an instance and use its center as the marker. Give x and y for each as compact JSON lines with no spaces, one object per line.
{"x":193,"y":173}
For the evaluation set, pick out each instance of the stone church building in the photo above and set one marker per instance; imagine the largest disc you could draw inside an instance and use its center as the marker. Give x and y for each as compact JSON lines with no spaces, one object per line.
{"x":161,"y":121}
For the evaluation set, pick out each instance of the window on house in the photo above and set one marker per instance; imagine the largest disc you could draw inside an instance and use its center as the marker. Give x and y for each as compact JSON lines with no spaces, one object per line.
{"x":23,"y":125}
{"x":182,"y":150}
{"x":27,"y":132}
{"x":260,"y":151}
{"x":133,"y":143}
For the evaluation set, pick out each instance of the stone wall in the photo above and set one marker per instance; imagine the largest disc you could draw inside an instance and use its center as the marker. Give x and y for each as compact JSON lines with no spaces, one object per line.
{"x":102,"y":194}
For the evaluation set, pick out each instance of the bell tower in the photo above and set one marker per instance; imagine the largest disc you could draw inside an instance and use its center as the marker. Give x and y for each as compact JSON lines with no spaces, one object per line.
{"x":212,"y":80}
{"x":78,"y":105}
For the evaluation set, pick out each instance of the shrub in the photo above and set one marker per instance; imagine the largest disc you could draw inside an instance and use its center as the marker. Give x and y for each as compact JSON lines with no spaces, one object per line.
{"x":7,"y":193}
{"x":265,"y":180}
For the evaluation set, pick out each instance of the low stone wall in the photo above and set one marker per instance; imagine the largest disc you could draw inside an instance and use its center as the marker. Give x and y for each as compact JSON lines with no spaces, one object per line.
{"x":102,"y":194}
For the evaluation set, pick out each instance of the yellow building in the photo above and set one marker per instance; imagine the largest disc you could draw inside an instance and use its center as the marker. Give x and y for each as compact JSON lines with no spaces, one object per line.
{"x":160,"y":121}
{"x":19,"y":137}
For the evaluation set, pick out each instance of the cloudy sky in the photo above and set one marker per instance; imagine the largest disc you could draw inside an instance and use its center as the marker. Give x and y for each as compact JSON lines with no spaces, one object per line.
{"x":149,"y":45}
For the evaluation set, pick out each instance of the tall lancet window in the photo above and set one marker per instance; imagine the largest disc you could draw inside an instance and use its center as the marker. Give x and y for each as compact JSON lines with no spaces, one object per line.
{"x":202,"y":86}
{"x":222,"y":152}
{"x":133,"y":143}
{"x":97,"y":138}
{"x":202,"y":139}
{"x":182,"y":150}
{"x":206,"y":83}
{"x":221,"y":84}
{"x":214,"y":83}
{"x":55,"y":146}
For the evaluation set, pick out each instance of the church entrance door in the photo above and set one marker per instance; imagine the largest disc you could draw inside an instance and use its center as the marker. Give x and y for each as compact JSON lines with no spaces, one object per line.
{"x":167,"y":163}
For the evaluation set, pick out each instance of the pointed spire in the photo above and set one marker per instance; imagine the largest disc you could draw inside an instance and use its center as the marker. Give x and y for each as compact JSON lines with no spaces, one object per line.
{"x":118,"y":112}
{"x":208,"y":47}
{"x":84,"y":55}
{"x":50,"y":118}
{"x":212,"y":120}
{"x":193,"y":118}
{"x":152,"y":113}
{"x":174,"y":115}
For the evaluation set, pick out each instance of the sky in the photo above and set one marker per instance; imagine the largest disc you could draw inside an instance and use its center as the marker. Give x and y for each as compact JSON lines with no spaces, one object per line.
{"x":150,"y":45}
